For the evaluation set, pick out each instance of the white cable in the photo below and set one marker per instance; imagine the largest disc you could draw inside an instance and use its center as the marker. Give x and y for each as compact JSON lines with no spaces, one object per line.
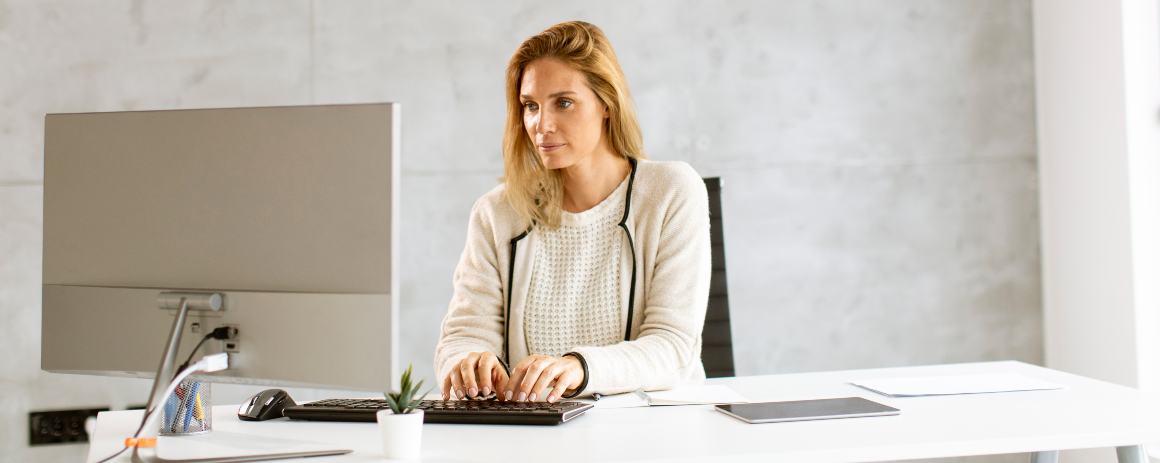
{"x":207,"y":364}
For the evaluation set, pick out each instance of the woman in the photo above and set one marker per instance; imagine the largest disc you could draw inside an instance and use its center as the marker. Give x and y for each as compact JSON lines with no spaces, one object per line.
{"x":587,"y":270}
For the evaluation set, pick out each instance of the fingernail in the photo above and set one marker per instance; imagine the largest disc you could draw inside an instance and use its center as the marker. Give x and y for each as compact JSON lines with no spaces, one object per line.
{"x":508,"y":396}
{"x":523,"y":396}
{"x":486,"y":391}
{"x":532,"y":398}
{"x":472,"y":392}
{"x":462,"y":395}
{"x":551,"y":399}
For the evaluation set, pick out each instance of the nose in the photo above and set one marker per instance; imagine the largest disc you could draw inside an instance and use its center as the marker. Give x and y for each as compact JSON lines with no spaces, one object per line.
{"x":546,"y":123}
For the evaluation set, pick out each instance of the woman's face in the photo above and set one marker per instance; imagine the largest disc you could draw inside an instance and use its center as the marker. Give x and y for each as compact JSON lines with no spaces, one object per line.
{"x":563,"y":117}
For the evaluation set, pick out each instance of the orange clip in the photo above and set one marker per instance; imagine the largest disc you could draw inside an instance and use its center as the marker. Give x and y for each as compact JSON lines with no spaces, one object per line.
{"x":142,"y":443}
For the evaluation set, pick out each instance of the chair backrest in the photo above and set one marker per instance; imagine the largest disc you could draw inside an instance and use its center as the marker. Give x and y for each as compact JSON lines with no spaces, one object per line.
{"x":717,"y":338}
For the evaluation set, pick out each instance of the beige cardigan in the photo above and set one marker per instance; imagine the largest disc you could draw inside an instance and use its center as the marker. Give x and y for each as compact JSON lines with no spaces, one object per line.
{"x":668,"y":218}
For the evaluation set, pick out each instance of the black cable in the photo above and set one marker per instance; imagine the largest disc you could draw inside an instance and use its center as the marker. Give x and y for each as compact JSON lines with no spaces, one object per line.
{"x":191,"y":354}
{"x":222,"y":332}
{"x":144,"y":419}
{"x":115,"y":455}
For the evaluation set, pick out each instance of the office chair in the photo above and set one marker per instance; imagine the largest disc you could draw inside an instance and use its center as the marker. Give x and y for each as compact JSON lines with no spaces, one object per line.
{"x":716,"y":337}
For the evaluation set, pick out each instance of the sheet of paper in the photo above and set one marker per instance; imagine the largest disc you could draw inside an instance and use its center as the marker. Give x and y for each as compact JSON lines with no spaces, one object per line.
{"x":626,"y":400}
{"x":955,"y":384}
{"x":698,"y":394}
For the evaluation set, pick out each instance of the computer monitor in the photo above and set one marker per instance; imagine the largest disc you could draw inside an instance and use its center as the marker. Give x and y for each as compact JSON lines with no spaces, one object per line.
{"x":291,"y":213}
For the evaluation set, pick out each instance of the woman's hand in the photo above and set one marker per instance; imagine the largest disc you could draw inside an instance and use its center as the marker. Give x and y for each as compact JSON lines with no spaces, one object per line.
{"x":478,"y":374}
{"x":532,"y":376}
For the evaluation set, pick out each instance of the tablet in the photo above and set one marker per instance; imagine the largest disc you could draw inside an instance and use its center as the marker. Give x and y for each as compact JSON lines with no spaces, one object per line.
{"x":821,"y":409}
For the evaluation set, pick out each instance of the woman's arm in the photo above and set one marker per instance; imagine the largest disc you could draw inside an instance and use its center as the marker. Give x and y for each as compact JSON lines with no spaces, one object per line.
{"x":474,"y":320}
{"x":677,"y":299}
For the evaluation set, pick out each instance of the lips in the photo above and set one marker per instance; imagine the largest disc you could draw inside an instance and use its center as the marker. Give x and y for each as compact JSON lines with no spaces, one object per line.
{"x":549,"y":147}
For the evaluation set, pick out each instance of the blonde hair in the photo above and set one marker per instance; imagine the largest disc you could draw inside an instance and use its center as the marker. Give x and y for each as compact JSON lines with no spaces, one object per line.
{"x":535,"y":192}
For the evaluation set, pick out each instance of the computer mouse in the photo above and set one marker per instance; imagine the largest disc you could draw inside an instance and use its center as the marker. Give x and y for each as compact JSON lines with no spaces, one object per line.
{"x":265,"y":405}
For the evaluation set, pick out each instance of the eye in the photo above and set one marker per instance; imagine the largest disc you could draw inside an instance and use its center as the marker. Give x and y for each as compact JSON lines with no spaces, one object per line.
{"x":564,"y":103}
{"x":530,"y":106}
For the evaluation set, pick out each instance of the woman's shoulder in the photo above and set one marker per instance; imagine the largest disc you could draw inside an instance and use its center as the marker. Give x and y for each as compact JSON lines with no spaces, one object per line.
{"x":671,"y":176}
{"x":494,"y":208}
{"x":493,"y":199}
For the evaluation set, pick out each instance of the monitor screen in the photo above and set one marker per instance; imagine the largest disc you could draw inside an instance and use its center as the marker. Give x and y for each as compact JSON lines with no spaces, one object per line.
{"x":290,"y":212}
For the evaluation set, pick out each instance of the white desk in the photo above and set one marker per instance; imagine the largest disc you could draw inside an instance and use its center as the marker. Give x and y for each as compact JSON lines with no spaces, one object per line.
{"x":1087,"y":414}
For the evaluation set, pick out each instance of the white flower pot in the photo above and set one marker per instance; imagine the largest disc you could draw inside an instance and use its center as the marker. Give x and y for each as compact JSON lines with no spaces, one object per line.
{"x":402,"y":434}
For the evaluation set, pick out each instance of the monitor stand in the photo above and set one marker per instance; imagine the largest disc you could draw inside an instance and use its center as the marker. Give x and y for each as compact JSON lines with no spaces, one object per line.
{"x":183,"y":302}
{"x":205,"y":446}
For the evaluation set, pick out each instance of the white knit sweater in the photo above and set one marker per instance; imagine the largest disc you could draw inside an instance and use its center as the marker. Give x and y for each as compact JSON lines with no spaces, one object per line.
{"x":574,"y":295}
{"x":669,"y":224}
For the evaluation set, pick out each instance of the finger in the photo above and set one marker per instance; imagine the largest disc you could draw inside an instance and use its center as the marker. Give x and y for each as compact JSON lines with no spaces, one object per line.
{"x":467,"y":372}
{"x":447,"y":387}
{"x":529,"y":380}
{"x":484,"y":373}
{"x":547,"y":377}
{"x":567,"y":381}
{"x":499,"y":380}
{"x":511,"y":391}
{"x":456,"y":381}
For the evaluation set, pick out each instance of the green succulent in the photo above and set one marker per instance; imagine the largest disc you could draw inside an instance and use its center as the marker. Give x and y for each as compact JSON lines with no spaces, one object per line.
{"x":405,"y":401}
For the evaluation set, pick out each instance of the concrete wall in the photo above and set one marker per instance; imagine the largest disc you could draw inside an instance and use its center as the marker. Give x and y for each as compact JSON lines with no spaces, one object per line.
{"x":878,"y":156}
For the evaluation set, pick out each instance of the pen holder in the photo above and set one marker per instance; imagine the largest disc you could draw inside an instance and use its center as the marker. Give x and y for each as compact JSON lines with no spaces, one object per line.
{"x":187,"y":410}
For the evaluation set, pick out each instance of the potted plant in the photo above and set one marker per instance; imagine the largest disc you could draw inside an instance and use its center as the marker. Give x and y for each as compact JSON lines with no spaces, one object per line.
{"x":402,"y":424}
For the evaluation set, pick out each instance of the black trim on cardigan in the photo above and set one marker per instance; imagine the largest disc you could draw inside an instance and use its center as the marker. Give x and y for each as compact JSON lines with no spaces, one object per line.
{"x":631,"y":248}
{"x":583,"y":384}
{"x":507,"y":316}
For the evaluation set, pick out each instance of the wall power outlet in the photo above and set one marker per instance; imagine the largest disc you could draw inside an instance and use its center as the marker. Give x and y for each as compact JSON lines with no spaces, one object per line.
{"x":59,"y":426}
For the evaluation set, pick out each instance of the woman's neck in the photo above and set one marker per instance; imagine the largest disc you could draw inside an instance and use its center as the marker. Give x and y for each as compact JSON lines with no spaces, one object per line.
{"x":587,"y":184}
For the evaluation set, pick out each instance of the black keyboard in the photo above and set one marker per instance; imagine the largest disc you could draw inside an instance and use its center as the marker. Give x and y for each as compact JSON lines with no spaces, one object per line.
{"x":444,"y":411}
